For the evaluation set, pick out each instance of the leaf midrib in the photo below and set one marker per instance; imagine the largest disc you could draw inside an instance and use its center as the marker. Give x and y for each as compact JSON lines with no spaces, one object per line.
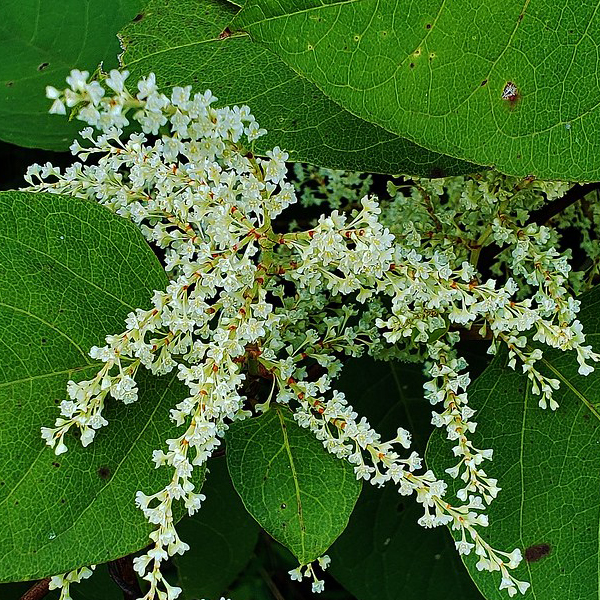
{"x":52,"y":374}
{"x":288,"y":450}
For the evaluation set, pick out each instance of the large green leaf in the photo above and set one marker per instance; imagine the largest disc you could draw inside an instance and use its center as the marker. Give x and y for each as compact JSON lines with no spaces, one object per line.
{"x":42,"y":41}
{"x":70,"y":272}
{"x":549,"y":469}
{"x":221,"y":536}
{"x":384,"y":554}
{"x":180,"y":41}
{"x":298,"y":492}
{"x":436,"y":71}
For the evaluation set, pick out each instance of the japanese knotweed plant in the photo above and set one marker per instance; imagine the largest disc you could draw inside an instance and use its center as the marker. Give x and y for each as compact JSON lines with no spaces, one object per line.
{"x":252,"y":294}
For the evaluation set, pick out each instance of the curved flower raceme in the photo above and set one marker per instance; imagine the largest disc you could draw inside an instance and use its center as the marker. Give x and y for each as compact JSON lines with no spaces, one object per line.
{"x":245,"y":298}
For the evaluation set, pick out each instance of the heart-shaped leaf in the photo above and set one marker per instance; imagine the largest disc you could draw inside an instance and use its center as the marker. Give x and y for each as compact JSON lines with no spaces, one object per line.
{"x":298,"y":492}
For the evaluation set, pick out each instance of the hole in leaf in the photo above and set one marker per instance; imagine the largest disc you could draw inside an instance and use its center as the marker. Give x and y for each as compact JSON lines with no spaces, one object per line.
{"x":138,"y":17}
{"x":43,"y":66}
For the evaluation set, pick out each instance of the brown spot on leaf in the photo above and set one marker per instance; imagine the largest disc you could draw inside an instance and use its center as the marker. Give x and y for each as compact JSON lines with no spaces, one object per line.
{"x":225,"y":33}
{"x":104,"y":472}
{"x":138,"y":17}
{"x":484,"y":82}
{"x":55,"y":464}
{"x":537,"y":552}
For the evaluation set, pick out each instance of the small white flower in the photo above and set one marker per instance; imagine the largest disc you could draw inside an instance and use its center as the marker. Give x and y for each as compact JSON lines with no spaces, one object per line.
{"x":116,"y":80}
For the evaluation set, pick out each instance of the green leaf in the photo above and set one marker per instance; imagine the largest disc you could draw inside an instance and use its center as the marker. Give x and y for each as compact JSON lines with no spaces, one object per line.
{"x":298,"y":492}
{"x":41,"y":42}
{"x":71,"y":271}
{"x":548,"y":468}
{"x":221,"y":536}
{"x":181,"y":41}
{"x":436,"y":72}
{"x":384,"y":554}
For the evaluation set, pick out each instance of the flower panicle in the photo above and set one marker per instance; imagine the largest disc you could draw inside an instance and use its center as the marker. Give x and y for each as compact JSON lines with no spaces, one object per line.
{"x":390,"y":279}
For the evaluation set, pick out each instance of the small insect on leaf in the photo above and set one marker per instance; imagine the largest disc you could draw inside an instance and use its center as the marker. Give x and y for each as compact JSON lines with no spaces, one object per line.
{"x":510,"y":92}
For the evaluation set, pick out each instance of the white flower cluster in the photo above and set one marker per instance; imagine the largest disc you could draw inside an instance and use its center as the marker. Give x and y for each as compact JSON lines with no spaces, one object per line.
{"x":63,"y":582}
{"x":308,"y":571}
{"x":494,"y":209}
{"x":244,"y":298}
